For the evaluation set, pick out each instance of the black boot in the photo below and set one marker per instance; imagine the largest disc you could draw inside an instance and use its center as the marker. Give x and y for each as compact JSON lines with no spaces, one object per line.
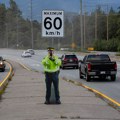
{"x":58,"y":102}
{"x":47,"y":102}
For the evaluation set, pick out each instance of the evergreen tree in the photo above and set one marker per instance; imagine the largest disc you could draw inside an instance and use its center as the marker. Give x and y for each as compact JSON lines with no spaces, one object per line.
{"x":2,"y":24}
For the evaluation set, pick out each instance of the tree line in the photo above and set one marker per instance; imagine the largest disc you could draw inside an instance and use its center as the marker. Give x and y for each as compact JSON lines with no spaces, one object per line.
{"x":101,"y":30}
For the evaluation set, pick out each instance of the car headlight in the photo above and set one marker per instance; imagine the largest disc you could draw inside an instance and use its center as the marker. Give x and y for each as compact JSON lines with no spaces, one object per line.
{"x":1,"y":63}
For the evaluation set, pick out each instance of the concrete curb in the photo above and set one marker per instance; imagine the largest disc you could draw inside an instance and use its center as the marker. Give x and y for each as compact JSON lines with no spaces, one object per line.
{"x":109,"y":100}
{"x":6,"y":80}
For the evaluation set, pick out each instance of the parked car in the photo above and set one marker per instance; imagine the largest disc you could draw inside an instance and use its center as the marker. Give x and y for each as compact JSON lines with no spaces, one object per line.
{"x":69,"y":60}
{"x":2,"y":64}
{"x":32,"y":52}
{"x":97,"y":66}
{"x":26,"y":54}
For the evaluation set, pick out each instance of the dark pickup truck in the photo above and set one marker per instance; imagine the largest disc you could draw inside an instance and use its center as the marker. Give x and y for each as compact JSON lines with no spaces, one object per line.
{"x":99,"y":66}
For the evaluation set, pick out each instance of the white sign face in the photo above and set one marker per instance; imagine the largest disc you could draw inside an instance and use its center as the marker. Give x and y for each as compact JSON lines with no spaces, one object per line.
{"x":52,"y":23}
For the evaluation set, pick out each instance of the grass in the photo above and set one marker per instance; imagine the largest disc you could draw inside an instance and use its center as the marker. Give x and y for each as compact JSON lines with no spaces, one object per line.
{"x":118,"y":54}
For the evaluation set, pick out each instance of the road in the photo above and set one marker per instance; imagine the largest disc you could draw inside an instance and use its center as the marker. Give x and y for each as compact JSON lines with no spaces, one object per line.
{"x":109,"y":88}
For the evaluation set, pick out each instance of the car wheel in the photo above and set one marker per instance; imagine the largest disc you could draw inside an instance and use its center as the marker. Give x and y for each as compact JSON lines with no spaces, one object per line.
{"x":3,"y":69}
{"x":113,"y":77}
{"x":87,"y":77}
{"x":63,"y":67}
{"x":80,"y":74}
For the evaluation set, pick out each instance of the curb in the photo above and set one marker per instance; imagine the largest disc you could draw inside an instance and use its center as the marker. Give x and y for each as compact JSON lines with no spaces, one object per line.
{"x":109,"y":100}
{"x":6,"y":80}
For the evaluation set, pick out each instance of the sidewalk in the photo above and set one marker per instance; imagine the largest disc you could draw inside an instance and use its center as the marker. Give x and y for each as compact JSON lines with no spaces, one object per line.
{"x":25,"y":95}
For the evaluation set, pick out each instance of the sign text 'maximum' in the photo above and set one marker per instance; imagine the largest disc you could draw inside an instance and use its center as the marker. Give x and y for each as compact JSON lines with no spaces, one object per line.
{"x":53,"y":13}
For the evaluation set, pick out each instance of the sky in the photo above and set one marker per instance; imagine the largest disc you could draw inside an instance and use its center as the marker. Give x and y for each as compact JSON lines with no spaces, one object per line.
{"x":66,"y":5}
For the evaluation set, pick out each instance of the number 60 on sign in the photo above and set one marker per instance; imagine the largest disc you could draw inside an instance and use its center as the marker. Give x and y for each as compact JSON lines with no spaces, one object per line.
{"x":52,"y":23}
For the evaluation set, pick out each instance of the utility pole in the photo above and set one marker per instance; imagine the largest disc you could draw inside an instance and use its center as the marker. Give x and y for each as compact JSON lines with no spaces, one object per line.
{"x":32,"y":42}
{"x":58,"y":43}
{"x":52,"y":41}
{"x":17,"y":45}
{"x":81,"y":25}
{"x":72,"y":32}
{"x":7,"y":34}
{"x":107,"y":24}
{"x":96,"y":25}
{"x":84,"y":26}
{"x":73,"y":44}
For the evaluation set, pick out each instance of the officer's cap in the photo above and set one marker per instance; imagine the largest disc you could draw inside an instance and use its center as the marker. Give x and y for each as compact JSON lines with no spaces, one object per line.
{"x":50,"y":48}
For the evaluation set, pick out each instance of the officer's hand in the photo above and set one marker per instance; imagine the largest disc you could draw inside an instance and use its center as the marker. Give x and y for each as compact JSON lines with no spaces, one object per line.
{"x":52,"y":59}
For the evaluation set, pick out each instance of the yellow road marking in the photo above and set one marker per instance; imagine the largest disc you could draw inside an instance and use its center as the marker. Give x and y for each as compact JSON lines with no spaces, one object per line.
{"x":25,"y":67}
{"x":7,"y":75}
{"x":95,"y":91}
{"x":103,"y":95}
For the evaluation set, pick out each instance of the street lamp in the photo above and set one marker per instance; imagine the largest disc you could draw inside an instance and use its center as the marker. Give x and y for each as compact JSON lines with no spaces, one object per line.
{"x":73,"y":44}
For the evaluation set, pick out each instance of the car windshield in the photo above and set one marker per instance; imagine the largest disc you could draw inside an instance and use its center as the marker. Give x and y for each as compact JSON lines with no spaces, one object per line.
{"x":30,"y":50}
{"x":27,"y":52}
{"x":98,"y":58}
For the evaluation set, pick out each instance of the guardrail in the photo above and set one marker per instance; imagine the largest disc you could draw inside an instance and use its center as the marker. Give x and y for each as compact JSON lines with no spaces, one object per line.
{"x":6,"y":80}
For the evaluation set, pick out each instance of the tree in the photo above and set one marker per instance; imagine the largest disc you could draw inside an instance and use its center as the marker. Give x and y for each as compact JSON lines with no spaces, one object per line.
{"x":113,"y":25}
{"x":101,"y":23}
{"x":13,"y":14}
{"x":118,"y":23}
{"x":2,"y":24}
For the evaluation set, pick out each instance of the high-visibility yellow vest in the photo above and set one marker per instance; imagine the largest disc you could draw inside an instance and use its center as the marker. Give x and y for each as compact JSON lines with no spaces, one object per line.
{"x":51,"y":66}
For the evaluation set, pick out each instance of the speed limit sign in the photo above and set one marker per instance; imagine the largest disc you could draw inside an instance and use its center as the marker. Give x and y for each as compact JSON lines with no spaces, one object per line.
{"x":52,"y":23}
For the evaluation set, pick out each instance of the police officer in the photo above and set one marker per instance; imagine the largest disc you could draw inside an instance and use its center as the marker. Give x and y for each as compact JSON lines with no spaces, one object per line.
{"x":51,"y":65}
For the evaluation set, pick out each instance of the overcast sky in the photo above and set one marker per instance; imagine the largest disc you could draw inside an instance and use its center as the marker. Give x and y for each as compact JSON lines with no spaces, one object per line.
{"x":66,"y":5}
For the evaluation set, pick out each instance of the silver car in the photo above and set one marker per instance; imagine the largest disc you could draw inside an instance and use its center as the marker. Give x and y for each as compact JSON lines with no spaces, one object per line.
{"x":26,"y":54}
{"x":32,"y":52}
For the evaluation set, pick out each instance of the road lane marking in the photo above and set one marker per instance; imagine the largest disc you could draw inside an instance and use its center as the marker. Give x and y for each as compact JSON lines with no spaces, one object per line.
{"x":25,"y":67}
{"x":7,"y":75}
{"x":103,"y":95}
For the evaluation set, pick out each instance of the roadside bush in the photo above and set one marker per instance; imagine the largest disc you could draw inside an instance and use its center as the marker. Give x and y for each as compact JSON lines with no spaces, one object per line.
{"x":110,"y":45}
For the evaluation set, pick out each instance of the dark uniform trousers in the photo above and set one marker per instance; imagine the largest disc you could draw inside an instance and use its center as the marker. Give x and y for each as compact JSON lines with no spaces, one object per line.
{"x":49,"y":79}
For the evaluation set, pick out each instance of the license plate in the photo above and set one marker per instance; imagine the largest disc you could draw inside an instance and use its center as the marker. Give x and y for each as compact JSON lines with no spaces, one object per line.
{"x":71,"y":60}
{"x":102,"y":72}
